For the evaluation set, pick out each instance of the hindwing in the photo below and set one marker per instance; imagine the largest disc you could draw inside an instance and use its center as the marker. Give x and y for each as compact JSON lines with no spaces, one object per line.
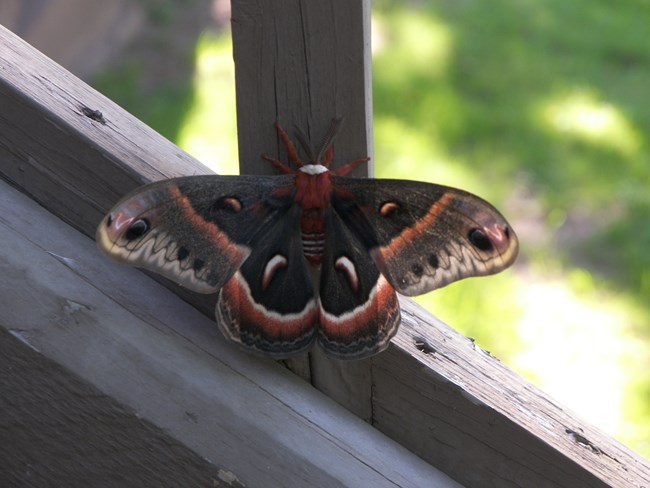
{"x":359,"y":308}
{"x":268,"y":305}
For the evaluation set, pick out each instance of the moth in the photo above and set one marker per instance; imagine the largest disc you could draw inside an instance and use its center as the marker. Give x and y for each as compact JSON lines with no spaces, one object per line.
{"x":310,"y":255}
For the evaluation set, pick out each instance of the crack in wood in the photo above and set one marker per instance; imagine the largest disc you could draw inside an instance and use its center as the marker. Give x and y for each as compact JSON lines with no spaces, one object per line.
{"x":423,"y":346}
{"x":583,"y":441}
{"x":95,"y":115}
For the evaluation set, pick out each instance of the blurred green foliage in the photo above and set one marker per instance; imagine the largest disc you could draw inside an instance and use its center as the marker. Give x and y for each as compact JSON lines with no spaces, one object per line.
{"x":541,"y":108}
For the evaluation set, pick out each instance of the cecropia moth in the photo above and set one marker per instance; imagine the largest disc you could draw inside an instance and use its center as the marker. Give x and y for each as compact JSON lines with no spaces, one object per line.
{"x":310,"y":255}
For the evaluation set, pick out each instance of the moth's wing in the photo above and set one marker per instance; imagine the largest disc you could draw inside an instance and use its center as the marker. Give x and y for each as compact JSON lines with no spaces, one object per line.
{"x":197,"y":230}
{"x":268,"y":306}
{"x":424,"y":236}
{"x":359,"y":309}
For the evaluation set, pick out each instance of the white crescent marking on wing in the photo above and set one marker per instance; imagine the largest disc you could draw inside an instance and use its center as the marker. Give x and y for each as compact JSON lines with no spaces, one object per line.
{"x":344,"y":264}
{"x":275,"y":263}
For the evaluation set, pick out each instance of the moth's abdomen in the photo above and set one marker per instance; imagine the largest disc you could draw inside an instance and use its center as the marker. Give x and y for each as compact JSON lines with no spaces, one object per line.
{"x":312,"y":235}
{"x":313,"y":194}
{"x":312,"y":245}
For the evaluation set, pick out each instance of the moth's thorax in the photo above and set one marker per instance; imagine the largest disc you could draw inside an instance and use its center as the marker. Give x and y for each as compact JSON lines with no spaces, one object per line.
{"x":313,"y":187}
{"x":313,"y":194}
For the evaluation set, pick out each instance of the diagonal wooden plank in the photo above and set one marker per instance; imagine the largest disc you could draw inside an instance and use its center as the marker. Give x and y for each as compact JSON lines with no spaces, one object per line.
{"x":165,"y":362}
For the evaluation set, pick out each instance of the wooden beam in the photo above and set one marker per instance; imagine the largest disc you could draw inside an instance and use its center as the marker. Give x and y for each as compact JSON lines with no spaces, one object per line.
{"x":433,"y":390}
{"x":131,"y":339}
{"x":302,"y":64}
{"x":81,"y":145}
{"x":58,"y":430}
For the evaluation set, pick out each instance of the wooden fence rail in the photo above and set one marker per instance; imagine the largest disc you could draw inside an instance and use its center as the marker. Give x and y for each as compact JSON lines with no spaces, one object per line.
{"x":433,"y":391}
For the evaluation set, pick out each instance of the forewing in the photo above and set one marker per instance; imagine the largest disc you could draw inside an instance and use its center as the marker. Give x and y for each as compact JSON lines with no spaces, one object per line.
{"x":424,"y":236}
{"x":268,"y":306}
{"x":359,"y":308}
{"x":194,"y":230}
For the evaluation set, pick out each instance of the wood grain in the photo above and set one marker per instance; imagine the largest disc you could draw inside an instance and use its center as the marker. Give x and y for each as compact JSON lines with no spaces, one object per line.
{"x":160,"y":360}
{"x":51,"y":144}
{"x":51,"y":417}
{"x":302,"y":64}
{"x":433,"y":390}
{"x":455,"y":405}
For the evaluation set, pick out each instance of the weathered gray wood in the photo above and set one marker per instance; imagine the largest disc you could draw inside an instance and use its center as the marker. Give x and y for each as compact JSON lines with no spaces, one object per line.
{"x":446,"y":396}
{"x":303,"y":63}
{"x":456,"y":406}
{"x":58,"y":430}
{"x":80,"y":143}
{"x":139,"y":344}
{"x":72,"y":149}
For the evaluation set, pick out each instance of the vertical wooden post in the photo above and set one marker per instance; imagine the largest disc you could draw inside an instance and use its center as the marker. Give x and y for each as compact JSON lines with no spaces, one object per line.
{"x":301,"y":63}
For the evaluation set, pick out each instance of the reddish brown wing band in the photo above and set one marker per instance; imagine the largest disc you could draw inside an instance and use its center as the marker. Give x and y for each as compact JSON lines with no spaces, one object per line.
{"x":196,"y":230}
{"x":424,"y":236}
{"x":241,"y":237}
